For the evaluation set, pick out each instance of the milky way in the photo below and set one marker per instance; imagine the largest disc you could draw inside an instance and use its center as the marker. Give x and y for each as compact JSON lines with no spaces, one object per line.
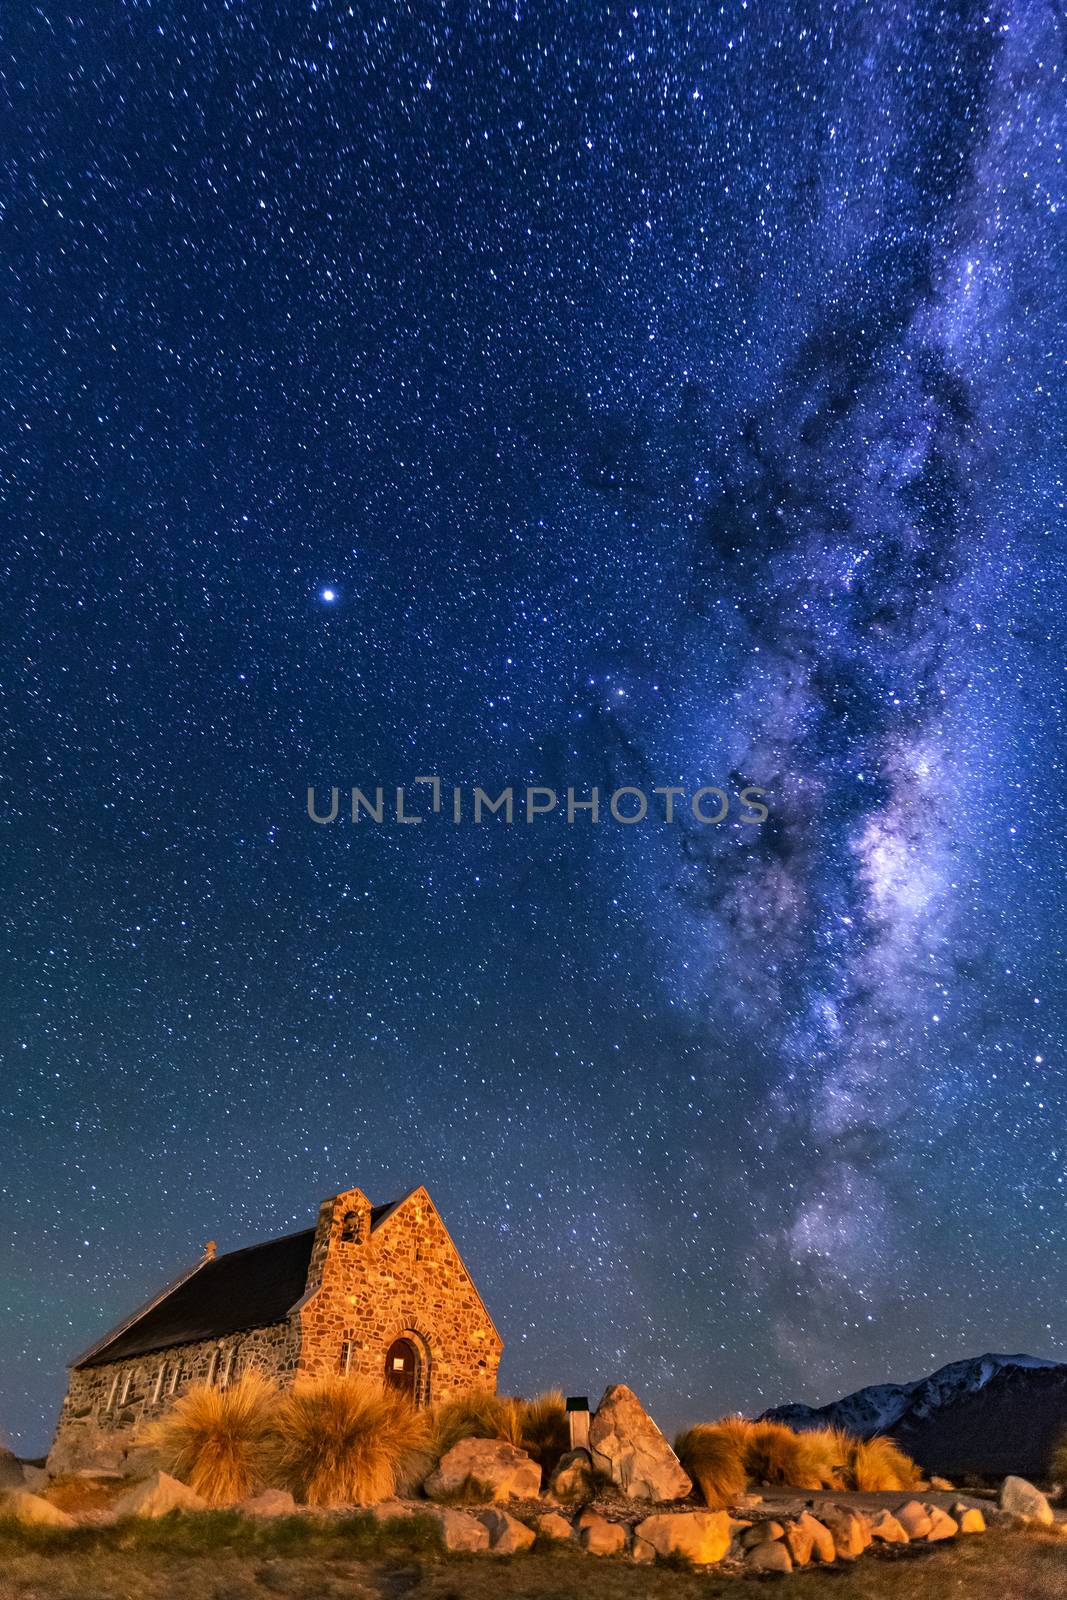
{"x":530,"y":397}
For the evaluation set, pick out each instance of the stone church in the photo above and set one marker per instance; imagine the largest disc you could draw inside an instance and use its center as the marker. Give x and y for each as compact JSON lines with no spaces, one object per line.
{"x":379,"y":1290}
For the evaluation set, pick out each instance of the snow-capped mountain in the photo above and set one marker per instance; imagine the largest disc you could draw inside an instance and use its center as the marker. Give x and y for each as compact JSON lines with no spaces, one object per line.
{"x":963,"y":1417}
{"x":881,"y":1406}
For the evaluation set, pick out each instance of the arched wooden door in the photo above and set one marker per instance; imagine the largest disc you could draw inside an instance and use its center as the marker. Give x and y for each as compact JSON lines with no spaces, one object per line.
{"x":402,"y":1367}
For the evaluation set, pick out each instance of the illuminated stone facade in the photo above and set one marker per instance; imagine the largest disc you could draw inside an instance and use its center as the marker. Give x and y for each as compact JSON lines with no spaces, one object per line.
{"x":380,"y":1291}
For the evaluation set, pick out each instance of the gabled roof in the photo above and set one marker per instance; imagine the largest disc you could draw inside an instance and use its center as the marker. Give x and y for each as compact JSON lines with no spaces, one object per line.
{"x":250,"y":1288}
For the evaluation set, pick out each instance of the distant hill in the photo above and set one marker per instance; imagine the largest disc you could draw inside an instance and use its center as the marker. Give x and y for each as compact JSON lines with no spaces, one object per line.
{"x":988,"y":1416}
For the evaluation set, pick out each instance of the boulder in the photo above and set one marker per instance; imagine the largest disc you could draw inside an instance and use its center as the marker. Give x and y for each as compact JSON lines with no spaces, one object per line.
{"x":459,"y":1530}
{"x":573,"y":1477}
{"x":32,"y":1510}
{"x":823,"y":1548}
{"x":553,"y":1526}
{"x":1022,"y":1501}
{"x":942,"y":1525}
{"x":34,"y":1478}
{"x":269,"y":1503}
{"x":799,"y":1541}
{"x":969,"y":1518}
{"x":389,"y":1510}
{"x":942,"y":1484}
{"x":625,"y":1442}
{"x":507,"y":1535}
{"x":506,"y":1471}
{"x":11,"y":1470}
{"x":770,"y":1557}
{"x":642,"y":1552}
{"x":702,"y":1536}
{"x":850,"y":1534}
{"x":887,"y":1530}
{"x":156,"y":1496}
{"x":599,"y":1537}
{"x":761,"y":1533}
{"x":914,"y":1519}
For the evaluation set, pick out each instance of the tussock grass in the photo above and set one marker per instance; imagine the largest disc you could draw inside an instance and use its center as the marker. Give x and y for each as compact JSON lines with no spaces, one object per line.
{"x":218,"y":1441}
{"x":723,"y":1457}
{"x":711,"y":1455}
{"x":346,"y":1440}
{"x":879,"y":1463}
{"x":544,"y":1430}
{"x":474,"y":1416}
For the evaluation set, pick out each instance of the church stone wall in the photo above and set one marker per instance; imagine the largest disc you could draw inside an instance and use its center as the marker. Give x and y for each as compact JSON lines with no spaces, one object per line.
{"x":406,"y":1279}
{"x":364,"y":1290}
{"x":100,"y":1417}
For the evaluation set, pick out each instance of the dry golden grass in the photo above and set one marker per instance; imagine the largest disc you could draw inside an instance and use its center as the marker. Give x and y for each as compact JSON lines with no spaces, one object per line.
{"x":218,"y":1441}
{"x":711,"y":1455}
{"x":544,"y":1430}
{"x":475,"y":1416}
{"x":723,"y":1457}
{"x":879,"y":1464}
{"x":348,"y":1441}
{"x":825,"y":1455}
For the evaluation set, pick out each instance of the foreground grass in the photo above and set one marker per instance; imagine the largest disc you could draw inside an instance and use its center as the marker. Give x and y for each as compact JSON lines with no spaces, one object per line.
{"x":221,"y":1557}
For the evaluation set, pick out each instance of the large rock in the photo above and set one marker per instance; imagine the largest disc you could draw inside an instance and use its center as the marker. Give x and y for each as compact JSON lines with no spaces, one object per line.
{"x":914,"y":1519}
{"x":507,"y":1535}
{"x":762,"y":1533}
{"x":573,"y":1477}
{"x":625,"y":1442}
{"x":942,"y":1525}
{"x":850,"y":1534}
{"x":459,"y":1530}
{"x":1021,"y":1500}
{"x":389,"y":1510}
{"x":771,"y":1556}
{"x":157,"y":1496}
{"x":506,"y":1472}
{"x":887,"y":1530}
{"x":32,"y":1510}
{"x":799,"y":1540}
{"x":269,"y":1503}
{"x":553,"y":1526}
{"x":702,"y":1536}
{"x":823,"y":1548}
{"x":599,"y":1537}
{"x":969,"y":1518}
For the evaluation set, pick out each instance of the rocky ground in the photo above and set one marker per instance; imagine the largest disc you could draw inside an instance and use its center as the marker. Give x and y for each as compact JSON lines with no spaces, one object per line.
{"x":618,"y":1519}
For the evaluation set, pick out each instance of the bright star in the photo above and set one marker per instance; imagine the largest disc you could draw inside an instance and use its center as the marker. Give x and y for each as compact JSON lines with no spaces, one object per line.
{"x":329,"y":595}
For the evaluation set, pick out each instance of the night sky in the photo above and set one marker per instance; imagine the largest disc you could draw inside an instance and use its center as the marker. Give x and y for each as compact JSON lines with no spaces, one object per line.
{"x":537,"y":393}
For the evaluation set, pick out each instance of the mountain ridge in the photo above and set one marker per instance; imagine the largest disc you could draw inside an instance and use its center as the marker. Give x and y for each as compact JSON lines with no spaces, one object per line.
{"x":985,"y":1415}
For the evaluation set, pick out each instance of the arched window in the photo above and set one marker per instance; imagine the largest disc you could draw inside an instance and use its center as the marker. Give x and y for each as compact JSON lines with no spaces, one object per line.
{"x":350,"y":1228}
{"x":161,"y":1384}
{"x":344,"y":1358}
{"x":175,"y":1378}
{"x":113,"y":1391}
{"x":127,"y":1386}
{"x":214,"y":1366}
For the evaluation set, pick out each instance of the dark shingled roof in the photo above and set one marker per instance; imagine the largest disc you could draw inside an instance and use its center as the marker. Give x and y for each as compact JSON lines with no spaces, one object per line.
{"x":249,"y":1288}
